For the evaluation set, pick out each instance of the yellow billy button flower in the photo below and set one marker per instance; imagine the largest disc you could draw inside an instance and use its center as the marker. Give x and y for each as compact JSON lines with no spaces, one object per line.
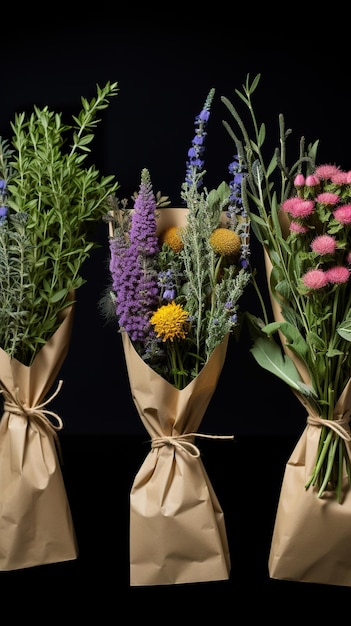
{"x":226,"y":242}
{"x":172,"y":237}
{"x":170,"y":321}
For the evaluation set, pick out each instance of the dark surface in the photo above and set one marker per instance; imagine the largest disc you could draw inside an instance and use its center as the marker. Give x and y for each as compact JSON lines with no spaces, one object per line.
{"x":99,"y":471}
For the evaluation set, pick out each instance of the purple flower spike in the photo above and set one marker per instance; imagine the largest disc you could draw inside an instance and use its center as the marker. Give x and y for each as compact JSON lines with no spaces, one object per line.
{"x":194,"y":166}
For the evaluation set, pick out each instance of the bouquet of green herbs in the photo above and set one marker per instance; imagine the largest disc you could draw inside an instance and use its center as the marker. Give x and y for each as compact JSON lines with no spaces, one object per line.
{"x":49,"y":201}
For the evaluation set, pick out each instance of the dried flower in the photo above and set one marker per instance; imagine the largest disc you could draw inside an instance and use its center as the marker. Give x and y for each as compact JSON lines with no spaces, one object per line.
{"x":226,"y":242}
{"x":305,"y":228}
{"x":323,"y":244}
{"x":177,"y":298}
{"x":169,"y":322}
{"x":134,"y":279}
{"x":172,"y":237}
{"x":195,"y":163}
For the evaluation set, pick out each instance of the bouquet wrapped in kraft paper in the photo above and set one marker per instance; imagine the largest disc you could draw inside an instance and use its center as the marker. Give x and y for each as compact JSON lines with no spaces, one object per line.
{"x":36,"y":525}
{"x":176,"y":278}
{"x":304,"y":227}
{"x":177,"y":528}
{"x":311,"y":534}
{"x":47,"y":203}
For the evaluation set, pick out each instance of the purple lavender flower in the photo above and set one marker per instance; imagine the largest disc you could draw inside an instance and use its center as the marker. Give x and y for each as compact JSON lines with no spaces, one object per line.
{"x":167,"y":285}
{"x":3,"y":208}
{"x":143,"y":229}
{"x":134,"y":277}
{"x":236,"y":208}
{"x":236,"y":170}
{"x":195,"y":163}
{"x":3,"y":213}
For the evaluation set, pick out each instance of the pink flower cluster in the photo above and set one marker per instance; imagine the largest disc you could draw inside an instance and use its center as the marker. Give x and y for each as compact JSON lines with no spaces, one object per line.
{"x":320,"y":219}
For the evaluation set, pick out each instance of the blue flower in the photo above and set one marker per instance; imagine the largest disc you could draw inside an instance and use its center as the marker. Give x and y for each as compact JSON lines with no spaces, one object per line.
{"x":3,"y":213}
{"x":195,"y":164}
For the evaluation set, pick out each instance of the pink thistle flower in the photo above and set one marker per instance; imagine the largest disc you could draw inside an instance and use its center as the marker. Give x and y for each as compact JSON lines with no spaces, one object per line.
{"x":328,"y":198}
{"x":325,"y":244}
{"x":296,"y":227}
{"x":326,"y":171}
{"x":289,"y":204}
{"x":340,"y":178}
{"x":312,"y":181}
{"x":297,"y":207}
{"x":315,"y":279}
{"x":348,"y":177}
{"x":338,"y":274}
{"x":302,"y":208}
{"x":299,"y":180}
{"x":343,"y":214}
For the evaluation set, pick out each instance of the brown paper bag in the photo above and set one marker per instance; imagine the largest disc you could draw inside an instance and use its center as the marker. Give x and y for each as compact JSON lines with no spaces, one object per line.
{"x":312,"y":536}
{"x":177,"y":529}
{"x":35,"y":520}
{"x":311,"y":539}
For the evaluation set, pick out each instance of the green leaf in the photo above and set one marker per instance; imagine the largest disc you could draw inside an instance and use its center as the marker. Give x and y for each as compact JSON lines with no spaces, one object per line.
{"x":59,"y":295}
{"x":344,"y":330}
{"x":269,"y":356}
{"x":334,"y":352}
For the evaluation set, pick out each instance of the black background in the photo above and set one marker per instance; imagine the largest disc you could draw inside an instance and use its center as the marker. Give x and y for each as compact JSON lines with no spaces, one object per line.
{"x":165,"y":65}
{"x":164,"y":71}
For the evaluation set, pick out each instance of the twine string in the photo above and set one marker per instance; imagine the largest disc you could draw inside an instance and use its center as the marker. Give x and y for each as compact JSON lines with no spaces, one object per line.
{"x":181,"y":442}
{"x":13,"y":404}
{"x":338,"y":426}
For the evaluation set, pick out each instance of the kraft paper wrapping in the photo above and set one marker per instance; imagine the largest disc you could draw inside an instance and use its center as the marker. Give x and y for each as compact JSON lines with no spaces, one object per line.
{"x":177,"y":528}
{"x":35,"y":520}
{"x":311,"y":539}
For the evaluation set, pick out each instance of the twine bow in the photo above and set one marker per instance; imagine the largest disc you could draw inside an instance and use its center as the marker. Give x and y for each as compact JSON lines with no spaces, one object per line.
{"x":181,"y":442}
{"x":13,"y":405}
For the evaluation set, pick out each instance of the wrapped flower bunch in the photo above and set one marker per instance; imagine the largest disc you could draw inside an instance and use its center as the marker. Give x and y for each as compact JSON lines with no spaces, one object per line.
{"x":301,"y":214}
{"x":50,"y":200}
{"x":305,"y":230}
{"x":178,"y":274}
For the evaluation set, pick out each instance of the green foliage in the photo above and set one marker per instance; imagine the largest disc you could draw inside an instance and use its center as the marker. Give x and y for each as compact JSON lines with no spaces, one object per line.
{"x":207,"y":295}
{"x":313,"y":322}
{"x":269,"y":355}
{"x":59,"y":197}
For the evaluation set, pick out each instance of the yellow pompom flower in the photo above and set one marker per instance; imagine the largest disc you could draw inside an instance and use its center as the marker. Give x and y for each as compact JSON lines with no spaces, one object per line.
{"x":225,"y":242}
{"x":170,"y":321}
{"x":172,"y":237}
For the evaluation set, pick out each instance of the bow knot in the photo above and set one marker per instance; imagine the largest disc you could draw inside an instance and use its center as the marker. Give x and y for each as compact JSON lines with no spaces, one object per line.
{"x":338,"y":426}
{"x":184,"y":442}
{"x":13,"y":404}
